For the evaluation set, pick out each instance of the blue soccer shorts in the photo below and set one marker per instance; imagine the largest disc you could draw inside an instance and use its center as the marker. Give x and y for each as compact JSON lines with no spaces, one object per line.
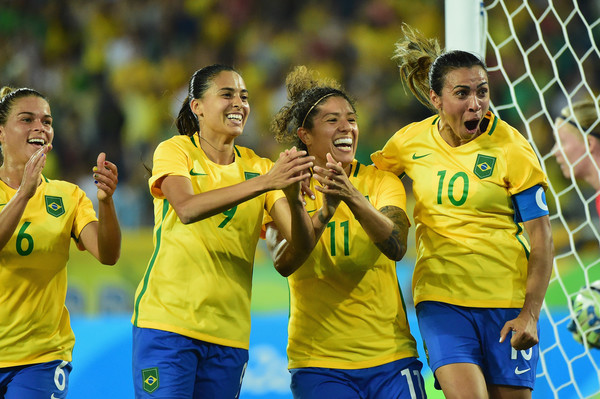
{"x":36,"y":381}
{"x":400,"y":379}
{"x":170,"y":365}
{"x":457,"y":334}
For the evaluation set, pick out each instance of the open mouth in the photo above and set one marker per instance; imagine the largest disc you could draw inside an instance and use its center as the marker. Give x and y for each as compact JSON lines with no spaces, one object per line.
{"x":235,"y":117}
{"x":344,"y":143}
{"x":37,"y":141}
{"x":472,"y":124}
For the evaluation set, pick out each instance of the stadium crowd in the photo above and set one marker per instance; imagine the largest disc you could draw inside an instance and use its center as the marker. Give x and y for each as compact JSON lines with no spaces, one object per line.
{"x":117,"y":70}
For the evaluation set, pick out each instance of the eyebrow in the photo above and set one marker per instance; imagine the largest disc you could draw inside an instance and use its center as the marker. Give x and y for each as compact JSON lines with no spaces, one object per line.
{"x":232,"y":89}
{"x":339,"y":114}
{"x":468,"y":87}
{"x":33,"y":114}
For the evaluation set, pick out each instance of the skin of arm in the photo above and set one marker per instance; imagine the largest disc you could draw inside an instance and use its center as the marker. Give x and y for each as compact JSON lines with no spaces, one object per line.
{"x":290,"y":168}
{"x":387,"y":228}
{"x":539,"y":270}
{"x":13,"y":211}
{"x":103,"y":238}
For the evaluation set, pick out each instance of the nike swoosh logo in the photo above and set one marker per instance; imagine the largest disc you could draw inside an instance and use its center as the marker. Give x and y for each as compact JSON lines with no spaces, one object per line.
{"x":519,"y":372}
{"x":311,"y":211}
{"x":192,"y":173}
{"x":415,"y":156}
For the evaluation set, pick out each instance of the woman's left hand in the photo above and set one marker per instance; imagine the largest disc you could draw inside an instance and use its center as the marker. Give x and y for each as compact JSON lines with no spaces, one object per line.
{"x":105,"y":177}
{"x":524,"y":332}
{"x":334,"y":182}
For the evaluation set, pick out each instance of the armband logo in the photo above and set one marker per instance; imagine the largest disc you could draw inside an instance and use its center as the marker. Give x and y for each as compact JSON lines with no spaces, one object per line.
{"x":54,"y":206}
{"x":484,"y":166}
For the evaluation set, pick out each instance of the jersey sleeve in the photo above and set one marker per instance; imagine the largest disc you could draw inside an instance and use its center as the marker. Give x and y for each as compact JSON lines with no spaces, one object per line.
{"x":169,"y":159}
{"x":387,"y":158}
{"x":529,"y":172}
{"x":391,"y":192}
{"x":84,"y":214}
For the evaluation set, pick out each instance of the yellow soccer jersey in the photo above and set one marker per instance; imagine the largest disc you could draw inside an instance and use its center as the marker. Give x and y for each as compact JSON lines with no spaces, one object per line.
{"x":34,"y":322}
{"x":346,"y":308}
{"x":198,"y":280}
{"x":470,"y":252}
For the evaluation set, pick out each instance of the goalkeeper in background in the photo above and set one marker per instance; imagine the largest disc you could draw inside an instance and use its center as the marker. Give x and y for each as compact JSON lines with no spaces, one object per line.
{"x":576,"y":124}
{"x":478,"y":286}
{"x":573,"y":126}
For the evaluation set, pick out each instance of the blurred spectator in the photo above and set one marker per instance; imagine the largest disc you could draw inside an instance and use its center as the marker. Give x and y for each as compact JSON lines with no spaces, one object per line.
{"x":124,"y":62}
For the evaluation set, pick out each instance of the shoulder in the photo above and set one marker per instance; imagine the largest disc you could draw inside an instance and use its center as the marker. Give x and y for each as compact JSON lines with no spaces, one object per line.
{"x":371,"y":173}
{"x":62,"y":188}
{"x":250,"y":158}
{"x":180,"y":141}
{"x":416,"y":128}
{"x":61,"y":185}
{"x":501,"y":131}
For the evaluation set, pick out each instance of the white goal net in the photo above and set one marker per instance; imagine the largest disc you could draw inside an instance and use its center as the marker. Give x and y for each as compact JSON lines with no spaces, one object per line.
{"x":544,"y":55}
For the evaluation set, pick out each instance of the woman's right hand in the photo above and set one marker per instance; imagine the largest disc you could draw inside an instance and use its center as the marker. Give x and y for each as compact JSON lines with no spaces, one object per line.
{"x":33,"y":171}
{"x":291,"y":168}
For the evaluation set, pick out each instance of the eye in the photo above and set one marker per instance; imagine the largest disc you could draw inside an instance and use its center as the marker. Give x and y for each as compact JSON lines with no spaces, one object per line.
{"x":482,"y":92}
{"x":244,"y":97}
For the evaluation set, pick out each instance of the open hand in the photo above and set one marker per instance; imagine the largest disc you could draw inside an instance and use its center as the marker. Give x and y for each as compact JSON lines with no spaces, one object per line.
{"x":33,"y":170}
{"x":105,"y":177}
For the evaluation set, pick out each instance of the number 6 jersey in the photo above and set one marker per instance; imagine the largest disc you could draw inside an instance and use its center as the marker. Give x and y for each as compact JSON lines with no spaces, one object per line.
{"x":198,"y":281}
{"x":34,"y":321}
{"x":470,"y":251}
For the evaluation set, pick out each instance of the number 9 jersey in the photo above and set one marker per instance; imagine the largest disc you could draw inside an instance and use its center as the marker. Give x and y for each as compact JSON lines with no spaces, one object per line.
{"x":198,"y":281}
{"x":470,"y":250}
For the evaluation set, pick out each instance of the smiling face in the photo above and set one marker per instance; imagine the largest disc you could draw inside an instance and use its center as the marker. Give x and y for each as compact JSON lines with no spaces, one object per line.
{"x":334,"y":131}
{"x":28,"y":127}
{"x":462,"y":104}
{"x":224,"y":107}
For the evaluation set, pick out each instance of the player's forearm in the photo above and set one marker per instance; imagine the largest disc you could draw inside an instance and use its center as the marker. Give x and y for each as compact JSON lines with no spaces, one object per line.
{"x":289,"y":255}
{"x":303,"y":235}
{"x":10,"y":215}
{"x":539,"y":267}
{"x":109,"y":233}
{"x":213,"y":202}
{"x":387,"y":229}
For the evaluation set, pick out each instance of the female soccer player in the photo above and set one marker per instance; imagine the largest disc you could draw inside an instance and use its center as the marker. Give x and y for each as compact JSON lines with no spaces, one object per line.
{"x":476,"y":182}
{"x":38,"y":217}
{"x":584,"y":163}
{"x":192,"y":308}
{"x":348,"y":330}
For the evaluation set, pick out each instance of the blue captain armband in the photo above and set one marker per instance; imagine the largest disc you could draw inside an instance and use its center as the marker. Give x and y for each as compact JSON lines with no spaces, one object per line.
{"x":530,"y":204}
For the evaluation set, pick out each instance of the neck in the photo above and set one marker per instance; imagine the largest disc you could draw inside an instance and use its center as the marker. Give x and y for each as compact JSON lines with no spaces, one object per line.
{"x":219,"y":151}
{"x":453,"y":139}
{"x":11,"y":175}
{"x":323,"y":164}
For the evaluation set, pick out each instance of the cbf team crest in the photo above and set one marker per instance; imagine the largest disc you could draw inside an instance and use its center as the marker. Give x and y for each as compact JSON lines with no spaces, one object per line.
{"x":484,"y":166}
{"x":54,"y":206}
{"x":150,"y":379}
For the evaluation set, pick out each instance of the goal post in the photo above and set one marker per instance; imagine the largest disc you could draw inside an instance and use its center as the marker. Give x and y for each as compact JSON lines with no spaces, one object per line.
{"x":463,"y":26}
{"x":542,"y":56}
